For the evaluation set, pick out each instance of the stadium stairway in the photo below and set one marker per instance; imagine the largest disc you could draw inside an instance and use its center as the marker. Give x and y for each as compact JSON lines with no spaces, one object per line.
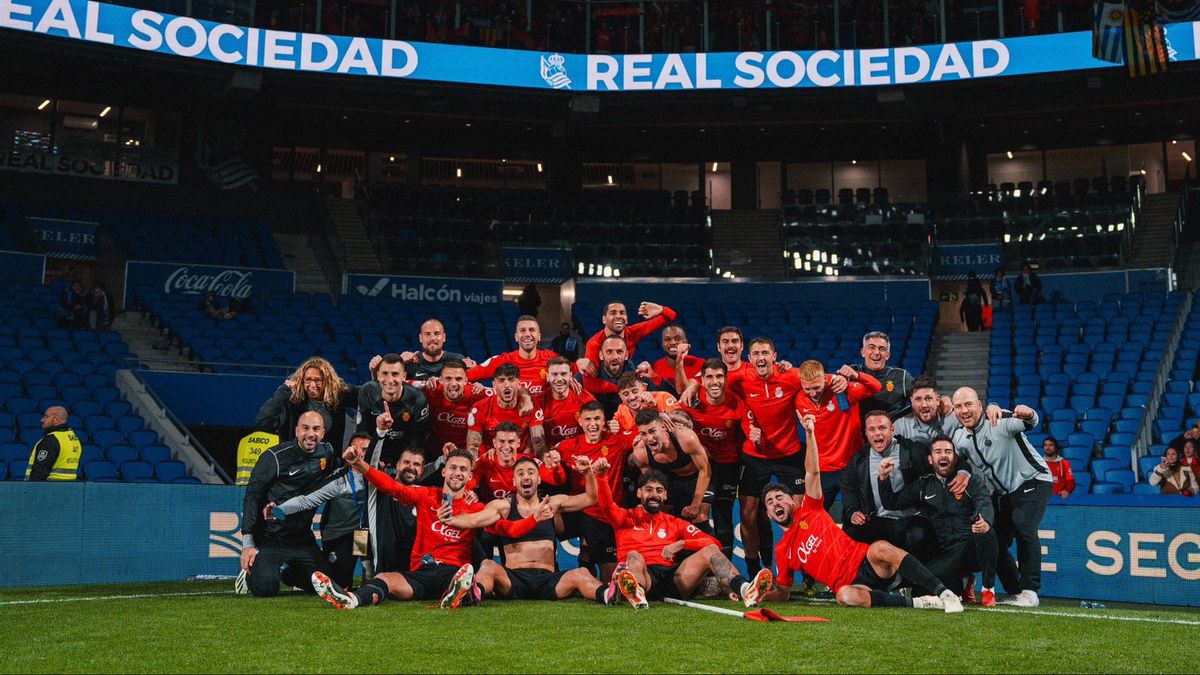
{"x":1151,"y":245}
{"x":748,"y":243}
{"x":1187,"y":264}
{"x":174,"y":436}
{"x":960,"y":360}
{"x":139,"y":333}
{"x":299,"y":258}
{"x":353,"y":248}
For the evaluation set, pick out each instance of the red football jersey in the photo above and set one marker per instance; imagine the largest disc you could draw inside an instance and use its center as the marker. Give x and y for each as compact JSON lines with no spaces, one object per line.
{"x":719,"y":427}
{"x":613,"y":447}
{"x":771,"y":406}
{"x":533,"y":371}
{"x":665,"y":372}
{"x":495,"y":481}
{"x":448,"y":419}
{"x":637,"y":530}
{"x":634,"y":333}
{"x":486,"y":415}
{"x":839,"y":432}
{"x":733,"y":378}
{"x":446,"y":544}
{"x":815,"y":545}
{"x":559,"y":417}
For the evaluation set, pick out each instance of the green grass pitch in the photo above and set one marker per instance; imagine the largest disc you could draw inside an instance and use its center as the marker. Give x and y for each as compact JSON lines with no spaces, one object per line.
{"x":202,"y":627}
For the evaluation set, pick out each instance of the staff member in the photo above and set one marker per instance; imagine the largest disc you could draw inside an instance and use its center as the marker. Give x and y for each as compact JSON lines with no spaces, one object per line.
{"x":249,"y":449}
{"x":56,"y":455}
{"x":289,"y":469}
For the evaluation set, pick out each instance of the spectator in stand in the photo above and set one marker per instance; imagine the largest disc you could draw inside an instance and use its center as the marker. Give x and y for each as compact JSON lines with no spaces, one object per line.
{"x":566,"y":343}
{"x":1001,"y":290}
{"x":1060,"y":468}
{"x":1192,"y":434}
{"x":973,"y":302}
{"x":1189,"y":457}
{"x":529,"y":301}
{"x":1028,"y":287}
{"x":211,"y":305}
{"x":74,"y":306}
{"x":100,"y":314}
{"x":1173,"y":476}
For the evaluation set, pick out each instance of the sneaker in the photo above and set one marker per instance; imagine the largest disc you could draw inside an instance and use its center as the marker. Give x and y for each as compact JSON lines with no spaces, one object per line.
{"x":928,"y":602}
{"x":809,"y":589}
{"x":969,"y":584}
{"x":332,"y":593}
{"x":951,"y":602}
{"x":753,"y":591}
{"x":988,"y":598}
{"x":632,"y":590}
{"x":240,"y":585}
{"x":1023,"y":599}
{"x":459,"y":587}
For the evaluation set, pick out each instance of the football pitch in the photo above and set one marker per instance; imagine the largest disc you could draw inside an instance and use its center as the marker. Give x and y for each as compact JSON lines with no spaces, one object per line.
{"x":203,"y":627}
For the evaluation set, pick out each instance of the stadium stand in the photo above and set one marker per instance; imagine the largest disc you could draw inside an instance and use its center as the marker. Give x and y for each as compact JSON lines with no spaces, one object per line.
{"x":47,"y":366}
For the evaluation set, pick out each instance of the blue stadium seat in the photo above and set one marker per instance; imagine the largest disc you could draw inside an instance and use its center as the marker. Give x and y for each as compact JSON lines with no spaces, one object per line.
{"x":129,"y":423}
{"x":94,"y":423}
{"x":135,"y":471}
{"x":170,"y":470}
{"x":106,"y":437}
{"x":120,"y":453}
{"x":1146,"y":489}
{"x":1122,"y":438}
{"x":1060,"y":429}
{"x":1102,"y":464}
{"x":1078,"y":456}
{"x":1123,"y":476}
{"x":118,"y":408}
{"x":16,"y":470}
{"x":1097,"y":428}
{"x":1147,"y":463}
{"x":1127,"y":426}
{"x":1121,"y":453}
{"x":3,"y":470}
{"x":155,"y":453}
{"x":14,"y":452}
{"x":100,"y":471}
{"x":1104,"y":488}
{"x":141,"y":437}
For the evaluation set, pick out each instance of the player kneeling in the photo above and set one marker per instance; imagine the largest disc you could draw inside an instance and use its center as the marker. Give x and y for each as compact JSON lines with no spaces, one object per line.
{"x":649,"y":543}
{"x":860,"y":575}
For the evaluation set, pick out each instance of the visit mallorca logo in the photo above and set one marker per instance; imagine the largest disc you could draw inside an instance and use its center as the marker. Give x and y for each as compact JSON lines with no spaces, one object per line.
{"x":554,"y":71}
{"x":223,"y":534}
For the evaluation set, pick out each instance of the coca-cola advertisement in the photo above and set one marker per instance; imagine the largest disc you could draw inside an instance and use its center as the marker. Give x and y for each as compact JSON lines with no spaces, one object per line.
{"x":198,"y":280}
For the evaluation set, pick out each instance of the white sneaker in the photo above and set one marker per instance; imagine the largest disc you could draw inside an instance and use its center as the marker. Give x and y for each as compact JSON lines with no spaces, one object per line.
{"x":460,"y":585}
{"x":1023,"y":599}
{"x":951,"y":602}
{"x":241,"y":586}
{"x":752,"y":591}
{"x":332,"y":593}
{"x":928,"y":602}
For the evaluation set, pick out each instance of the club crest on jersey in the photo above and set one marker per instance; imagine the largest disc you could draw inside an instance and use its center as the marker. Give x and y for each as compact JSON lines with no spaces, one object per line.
{"x":890,"y":386}
{"x":728,"y":424}
{"x":323,"y":462}
{"x":803,"y":524}
{"x":604,"y":450}
{"x":543,"y":373}
{"x":662,"y":534}
{"x":778,"y":392}
{"x":829,"y":407}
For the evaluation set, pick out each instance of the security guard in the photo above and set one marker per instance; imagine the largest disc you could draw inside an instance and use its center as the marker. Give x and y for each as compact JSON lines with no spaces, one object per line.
{"x":56,"y":456}
{"x":250,"y":448}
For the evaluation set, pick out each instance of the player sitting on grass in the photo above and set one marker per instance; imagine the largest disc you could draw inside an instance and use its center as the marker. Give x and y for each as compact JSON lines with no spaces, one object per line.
{"x":649,"y":543}
{"x":860,"y":575}
{"x":446,"y":527}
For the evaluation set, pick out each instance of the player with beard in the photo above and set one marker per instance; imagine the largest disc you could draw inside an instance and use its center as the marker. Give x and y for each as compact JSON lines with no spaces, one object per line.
{"x":530,"y":564}
{"x":676,"y":452}
{"x":396,"y":412}
{"x":504,"y":406}
{"x":932,"y":414}
{"x":561,"y":402}
{"x":392,"y":526}
{"x":614,"y":364}
{"x":429,"y":361}
{"x":493,"y":475}
{"x":635,"y":398}
{"x":966,"y":541}
{"x":595,"y":443}
{"x":649,"y":541}
{"x":530,"y":361}
{"x":616,"y":325}
{"x":717,"y":418}
{"x":441,"y":556}
{"x":672,"y":373}
{"x":860,"y":575}
{"x":450,"y":398}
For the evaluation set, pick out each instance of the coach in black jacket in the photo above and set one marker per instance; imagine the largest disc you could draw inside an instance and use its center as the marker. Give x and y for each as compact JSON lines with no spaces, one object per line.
{"x":287,"y":470}
{"x":966,"y":541}
{"x":864,"y":516}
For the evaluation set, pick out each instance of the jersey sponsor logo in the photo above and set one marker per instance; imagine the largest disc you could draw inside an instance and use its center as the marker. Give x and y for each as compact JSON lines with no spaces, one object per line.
{"x":716,"y":434}
{"x":446,"y":532}
{"x":809,"y":547}
{"x":538,"y":415}
{"x":450,"y":418}
{"x":565,"y":431}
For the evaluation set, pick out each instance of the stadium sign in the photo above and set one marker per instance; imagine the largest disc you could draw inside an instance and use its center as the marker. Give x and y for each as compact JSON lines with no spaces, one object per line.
{"x":83,"y":164}
{"x":185,"y":279}
{"x":65,"y":239}
{"x":151,"y":31}
{"x":957,"y":260}
{"x":441,"y":290}
{"x":528,"y":265}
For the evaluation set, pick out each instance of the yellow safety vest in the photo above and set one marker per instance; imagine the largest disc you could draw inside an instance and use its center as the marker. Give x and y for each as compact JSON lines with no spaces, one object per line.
{"x":66,"y":466}
{"x":249,"y":450}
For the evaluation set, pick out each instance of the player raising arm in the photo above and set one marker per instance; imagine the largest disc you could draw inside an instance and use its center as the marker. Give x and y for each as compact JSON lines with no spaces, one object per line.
{"x":858,"y":574}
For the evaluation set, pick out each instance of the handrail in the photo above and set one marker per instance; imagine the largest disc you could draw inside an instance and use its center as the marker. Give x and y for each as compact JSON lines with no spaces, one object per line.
{"x":1141,"y":445}
{"x":191,"y":438}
